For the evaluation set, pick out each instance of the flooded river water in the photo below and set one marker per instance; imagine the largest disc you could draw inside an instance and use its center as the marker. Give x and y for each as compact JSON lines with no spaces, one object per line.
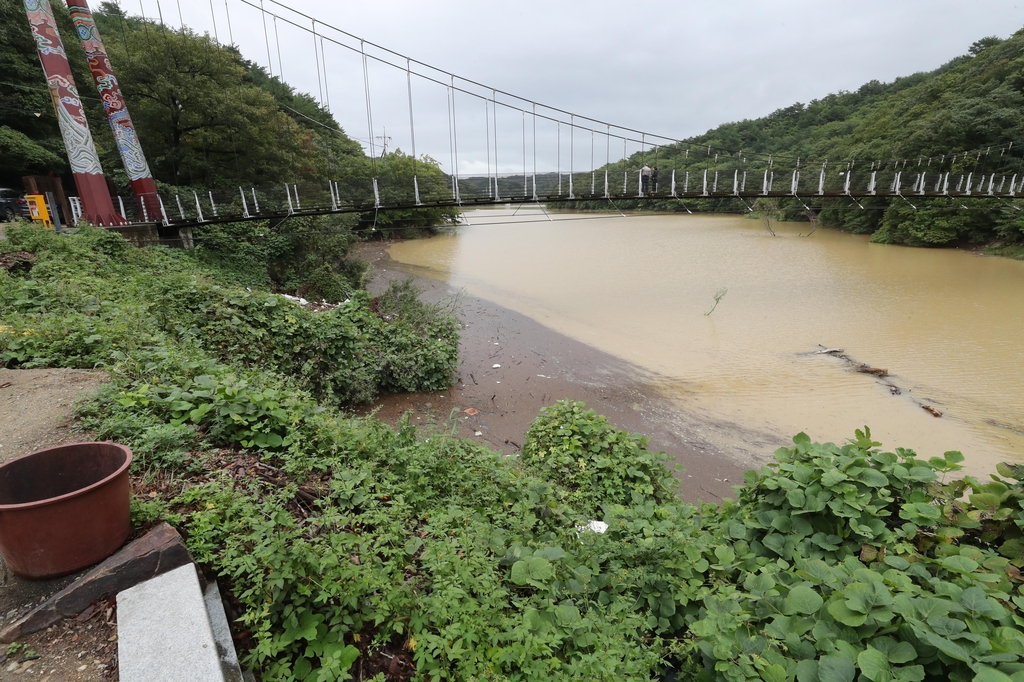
{"x":948,"y":325}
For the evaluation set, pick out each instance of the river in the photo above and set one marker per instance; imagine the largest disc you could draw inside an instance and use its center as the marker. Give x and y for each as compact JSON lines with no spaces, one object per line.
{"x":948,"y":325}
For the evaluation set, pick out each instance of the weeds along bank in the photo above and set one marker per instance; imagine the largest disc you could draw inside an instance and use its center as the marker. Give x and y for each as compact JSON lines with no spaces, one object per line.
{"x":382,"y":545}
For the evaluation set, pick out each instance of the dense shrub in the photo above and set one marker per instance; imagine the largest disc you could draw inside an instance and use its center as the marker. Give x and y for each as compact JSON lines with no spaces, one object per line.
{"x":592,"y":462}
{"x":93,"y":300}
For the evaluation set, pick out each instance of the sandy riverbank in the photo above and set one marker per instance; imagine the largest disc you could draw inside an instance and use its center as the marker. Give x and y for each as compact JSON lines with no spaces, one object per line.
{"x":539,"y":367}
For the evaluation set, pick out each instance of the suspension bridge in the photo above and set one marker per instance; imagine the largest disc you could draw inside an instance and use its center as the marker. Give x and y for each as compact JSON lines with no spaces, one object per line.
{"x":533,"y":152}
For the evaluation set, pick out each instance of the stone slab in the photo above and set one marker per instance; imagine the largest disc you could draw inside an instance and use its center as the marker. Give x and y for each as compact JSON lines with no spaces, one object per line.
{"x":158,"y":551}
{"x":222,"y":633}
{"x":164,"y":632}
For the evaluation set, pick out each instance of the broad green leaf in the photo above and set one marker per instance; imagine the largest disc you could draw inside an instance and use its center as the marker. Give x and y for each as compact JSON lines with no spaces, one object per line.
{"x":302,"y":668}
{"x":873,"y":478}
{"x":953,"y":457}
{"x":819,"y":570}
{"x":533,"y":620}
{"x":836,"y":669}
{"x":946,"y":627}
{"x":551,"y":553}
{"x":874,"y":665}
{"x":531,"y":570}
{"x":567,"y":615}
{"x":803,"y":599}
{"x":1012,"y":549}
{"x":725,"y":554}
{"x":842,"y":613}
{"x":975,"y":601}
{"x":986,"y":674}
{"x":774,"y":673}
{"x":759,"y":584}
{"x":950,"y":648}
{"x":928,"y":607}
{"x":896,"y":652}
{"x":959,"y":564}
{"x":909,"y":673}
{"x":807,"y":671}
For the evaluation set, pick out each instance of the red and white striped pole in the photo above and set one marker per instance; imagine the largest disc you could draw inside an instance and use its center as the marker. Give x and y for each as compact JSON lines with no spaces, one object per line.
{"x":143,"y":185}
{"x":97,"y":208}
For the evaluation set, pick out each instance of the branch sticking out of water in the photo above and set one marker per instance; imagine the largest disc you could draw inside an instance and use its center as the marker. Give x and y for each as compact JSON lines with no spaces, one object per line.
{"x":719,"y":295}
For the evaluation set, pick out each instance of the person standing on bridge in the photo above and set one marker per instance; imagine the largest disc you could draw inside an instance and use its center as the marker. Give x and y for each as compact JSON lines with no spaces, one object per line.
{"x":645,"y":179}
{"x":654,"y":180}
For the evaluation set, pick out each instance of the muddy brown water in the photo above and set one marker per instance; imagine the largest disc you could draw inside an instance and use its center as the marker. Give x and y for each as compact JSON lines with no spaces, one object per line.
{"x":948,"y":325}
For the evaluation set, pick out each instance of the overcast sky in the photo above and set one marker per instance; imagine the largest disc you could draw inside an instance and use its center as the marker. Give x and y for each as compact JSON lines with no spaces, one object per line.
{"x":668,"y":68}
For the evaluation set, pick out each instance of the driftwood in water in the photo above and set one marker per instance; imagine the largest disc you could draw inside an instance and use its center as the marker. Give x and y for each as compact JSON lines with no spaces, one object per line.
{"x":859,"y":366}
{"x":931,"y":410}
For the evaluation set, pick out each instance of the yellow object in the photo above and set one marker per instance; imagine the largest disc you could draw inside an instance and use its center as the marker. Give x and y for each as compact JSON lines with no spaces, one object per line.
{"x":37,"y":207}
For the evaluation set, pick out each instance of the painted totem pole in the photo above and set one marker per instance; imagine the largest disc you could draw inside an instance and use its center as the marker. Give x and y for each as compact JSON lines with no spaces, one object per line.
{"x":143,"y":185}
{"x":97,"y":207}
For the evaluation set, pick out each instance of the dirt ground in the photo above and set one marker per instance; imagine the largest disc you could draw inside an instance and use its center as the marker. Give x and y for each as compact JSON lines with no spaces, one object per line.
{"x":538,"y":367}
{"x":36,"y":407}
{"x":36,"y":411}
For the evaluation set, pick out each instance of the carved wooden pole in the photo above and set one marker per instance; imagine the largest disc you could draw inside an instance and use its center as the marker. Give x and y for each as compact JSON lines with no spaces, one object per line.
{"x":143,"y":185}
{"x":97,"y":207}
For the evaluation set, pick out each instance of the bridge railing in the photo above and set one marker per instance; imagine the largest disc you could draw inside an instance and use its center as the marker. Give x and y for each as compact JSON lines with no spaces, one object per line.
{"x":402,"y":190}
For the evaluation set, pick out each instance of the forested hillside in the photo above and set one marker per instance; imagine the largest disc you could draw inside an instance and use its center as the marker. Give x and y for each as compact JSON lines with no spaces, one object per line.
{"x":975,"y":101}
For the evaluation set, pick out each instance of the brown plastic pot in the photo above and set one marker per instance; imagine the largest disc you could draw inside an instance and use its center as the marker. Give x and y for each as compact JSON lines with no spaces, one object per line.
{"x":64,"y":508}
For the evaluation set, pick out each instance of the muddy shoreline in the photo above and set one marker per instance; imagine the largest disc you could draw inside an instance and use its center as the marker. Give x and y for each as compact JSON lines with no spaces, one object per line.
{"x":538,"y":367}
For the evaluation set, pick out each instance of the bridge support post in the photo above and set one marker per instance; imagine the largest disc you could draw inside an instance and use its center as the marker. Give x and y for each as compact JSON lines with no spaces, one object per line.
{"x":255,"y":201}
{"x":968,"y":190}
{"x":416,"y":189}
{"x":245,"y":205}
{"x":120,"y":202}
{"x":139,"y":175}
{"x":288,"y":191}
{"x":181,"y":210}
{"x":736,"y":182}
{"x":97,"y":205}
{"x":213,"y":206}
{"x":673,"y":182}
{"x":606,"y":194}
{"x":1013,"y":181}
{"x":704,"y":191}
